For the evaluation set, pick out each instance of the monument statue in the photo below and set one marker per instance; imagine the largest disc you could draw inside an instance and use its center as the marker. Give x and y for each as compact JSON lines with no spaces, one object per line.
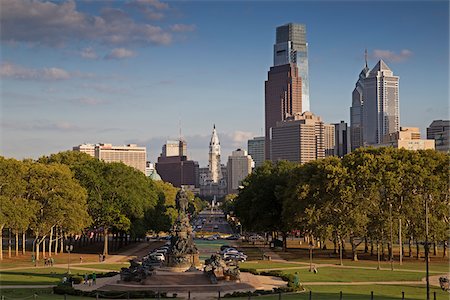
{"x":183,"y":252}
{"x":182,"y":202}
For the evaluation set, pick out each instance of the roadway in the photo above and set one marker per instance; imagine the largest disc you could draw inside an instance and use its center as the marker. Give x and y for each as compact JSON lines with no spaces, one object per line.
{"x":212,"y":220}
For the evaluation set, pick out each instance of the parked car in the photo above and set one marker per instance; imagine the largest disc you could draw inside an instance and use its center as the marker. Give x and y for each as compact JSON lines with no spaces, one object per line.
{"x":157,"y":256}
{"x":223,"y":247}
{"x":235,"y":256}
{"x":255,"y":238}
{"x":234,"y":237}
{"x":216,"y":226}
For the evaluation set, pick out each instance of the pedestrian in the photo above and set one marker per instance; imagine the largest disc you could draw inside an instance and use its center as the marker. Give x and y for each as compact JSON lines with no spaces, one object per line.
{"x":90,"y":280}
{"x":45,"y":261}
{"x":100,"y":257}
{"x":315,"y":270}
{"x":51,"y":261}
{"x":296,"y":280}
{"x":81,"y":259}
{"x":86,"y":277}
{"x":94,"y":278}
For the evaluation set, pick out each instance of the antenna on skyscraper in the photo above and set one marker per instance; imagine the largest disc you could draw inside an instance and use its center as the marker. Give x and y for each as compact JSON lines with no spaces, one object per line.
{"x":365,"y":57}
{"x":179,"y":129}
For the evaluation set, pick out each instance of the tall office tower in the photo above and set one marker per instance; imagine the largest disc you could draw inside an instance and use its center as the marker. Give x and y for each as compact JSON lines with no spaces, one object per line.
{"x":381,"y":104}
{"x":174,"y":148}
{"x":356,"y":110}
{"x":329,"y":139}
{"x":239,"y":166}
{"x":256,"y":150}
{"x":342,"y":139}
{"x":439,"y":130}
{"x":131,"y":154}
{"x":291,"y":47}
{"x":214,"y":157}
{"x":299,"y":138}
{"x":283,"y":98}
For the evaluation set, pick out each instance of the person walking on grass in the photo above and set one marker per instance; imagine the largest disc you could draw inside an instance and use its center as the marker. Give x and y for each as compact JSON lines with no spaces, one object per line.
{"x":86,"y":277}
{"x":94,"y":278}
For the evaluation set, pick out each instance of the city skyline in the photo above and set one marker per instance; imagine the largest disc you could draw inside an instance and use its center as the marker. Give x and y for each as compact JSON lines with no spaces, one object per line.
{"x":160,"y":64}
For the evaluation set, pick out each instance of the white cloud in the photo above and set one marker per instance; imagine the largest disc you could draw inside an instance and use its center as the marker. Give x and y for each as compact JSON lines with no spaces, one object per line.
{"x":120,"y":53}
{"x":88,"y":53}
{"x":182,"y":28}
{"x":12,"y":71}
{"x":389,"y":55}
{"x":56,"y":23}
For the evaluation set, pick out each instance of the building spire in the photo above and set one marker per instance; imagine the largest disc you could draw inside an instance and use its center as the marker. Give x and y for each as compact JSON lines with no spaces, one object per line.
{"x":365,"y":57}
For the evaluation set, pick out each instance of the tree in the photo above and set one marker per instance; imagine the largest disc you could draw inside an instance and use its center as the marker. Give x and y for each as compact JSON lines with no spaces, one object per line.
{"x":61,"y":201}
{"x":259,"y":204}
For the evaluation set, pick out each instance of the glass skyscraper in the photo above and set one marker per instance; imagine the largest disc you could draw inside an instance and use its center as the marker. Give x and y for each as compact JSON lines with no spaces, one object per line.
{"x":291,"y":47}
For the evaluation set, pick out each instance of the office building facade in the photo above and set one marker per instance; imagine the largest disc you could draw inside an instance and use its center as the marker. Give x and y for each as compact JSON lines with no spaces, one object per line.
{"x":381,"y":114}
{"x":299,"y":138}
{"x":356,"y":110}
{"x":329,"y":139}
{"x":239,"y":166}
{"x":131,"y":155}
{"x":291,"y":47}
{"x":174,"y":167}
{"x":342,"y":139}
{"x":439,"y":131}
{"x":407,"y":138}
{"x":283,"y":98}
{"x":255,"y":149}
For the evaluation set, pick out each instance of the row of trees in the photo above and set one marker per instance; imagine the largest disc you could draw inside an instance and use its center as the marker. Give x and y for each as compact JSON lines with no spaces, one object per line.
{"x":70,"y":192}
{"x":356,"y":198}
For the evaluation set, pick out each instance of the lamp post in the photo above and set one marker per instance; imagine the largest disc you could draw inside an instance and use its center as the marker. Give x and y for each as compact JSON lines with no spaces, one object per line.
{"x":311,"y":246}
{"x":69,"y":248}
{"x":391,"y":255}
{"x":426,"y":247}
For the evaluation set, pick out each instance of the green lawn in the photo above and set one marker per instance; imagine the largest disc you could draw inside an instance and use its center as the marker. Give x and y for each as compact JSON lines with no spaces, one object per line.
{"x":37,"y":276}
{"x":347,"y":275}
{"x":266,"y":265}
{"x":437,"y":267}
{"x":360,"y":292}
{"x":115,"y":267}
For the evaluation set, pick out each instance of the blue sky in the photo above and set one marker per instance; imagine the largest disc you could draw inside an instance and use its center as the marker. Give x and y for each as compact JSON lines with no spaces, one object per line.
{"x":133,"y":71}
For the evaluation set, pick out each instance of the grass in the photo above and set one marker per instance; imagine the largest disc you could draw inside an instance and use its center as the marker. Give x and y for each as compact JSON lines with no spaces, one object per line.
{"x":435,"y":267}
{"x":333,"y":274}
{"x":37,"y":276}
{"x":360,"y":292}
{"x":105,"y":266}
{"x":266,"y":265}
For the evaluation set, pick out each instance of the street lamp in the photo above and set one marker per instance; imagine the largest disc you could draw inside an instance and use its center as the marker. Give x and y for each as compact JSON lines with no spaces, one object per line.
{"x":427,"y":250}
{"x":391,"y":258}
{"x":311,"y":246}
{"x":69,"y":248}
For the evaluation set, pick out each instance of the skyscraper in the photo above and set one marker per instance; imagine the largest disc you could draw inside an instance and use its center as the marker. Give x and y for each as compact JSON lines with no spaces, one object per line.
{"x":291,"y":47}
{"x":283,"y":98}
{"x":215,"y":172}
{"x":356,"y":110}
{"x":381,"y":104}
